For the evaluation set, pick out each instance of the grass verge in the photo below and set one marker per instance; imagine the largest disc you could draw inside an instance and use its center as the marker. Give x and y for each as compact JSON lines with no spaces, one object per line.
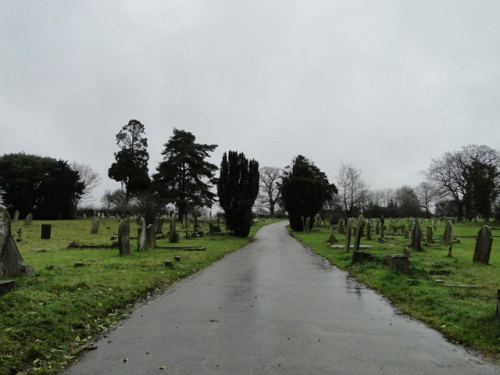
{"x":463,"y":315}
{"x":49,"y":320}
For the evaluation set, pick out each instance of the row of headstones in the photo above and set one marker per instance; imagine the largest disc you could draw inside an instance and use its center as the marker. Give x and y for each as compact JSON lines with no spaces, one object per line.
{"x":482,"y":250}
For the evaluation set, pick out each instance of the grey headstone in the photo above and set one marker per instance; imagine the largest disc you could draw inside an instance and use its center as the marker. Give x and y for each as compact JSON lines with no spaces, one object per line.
{"x":141,"y":240}
{"x":16,"y":215}
{"x":348,"y":235}
{"x":359,"y":232}
{"x":484,"y":241}
{"x":28,"y":220}
{"x":150,"y":237}
{"x":446,"y":238}
{"x":124,"y":237}
{"x":96,"y":222}
{"x":416,"y":236}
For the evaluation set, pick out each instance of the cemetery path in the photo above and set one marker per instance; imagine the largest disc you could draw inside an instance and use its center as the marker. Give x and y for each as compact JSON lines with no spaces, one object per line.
{"x":272,"y":307}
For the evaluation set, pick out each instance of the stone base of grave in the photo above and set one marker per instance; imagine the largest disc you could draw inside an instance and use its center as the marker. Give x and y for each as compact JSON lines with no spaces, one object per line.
{"x":7,"y":286}
{"x":360,"y":257}
{"x":399,"y":263}
{"x":332,"y":239}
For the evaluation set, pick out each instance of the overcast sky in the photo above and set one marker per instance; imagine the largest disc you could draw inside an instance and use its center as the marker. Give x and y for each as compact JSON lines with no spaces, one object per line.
{"x":382,"y":85}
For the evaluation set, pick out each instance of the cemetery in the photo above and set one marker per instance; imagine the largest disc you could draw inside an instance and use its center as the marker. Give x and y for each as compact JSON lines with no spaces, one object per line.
{"x":75,"y":293}
{"x":452,"y":284}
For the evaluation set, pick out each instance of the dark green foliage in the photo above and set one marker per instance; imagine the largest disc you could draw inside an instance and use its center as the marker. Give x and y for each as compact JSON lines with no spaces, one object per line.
{"x":131,"y":166}
{"x":46,"y":187}
{"x":184,"y":177}
{"x":237,"y":189}
{"x":484,"y":191}
{"x":304,"y":189}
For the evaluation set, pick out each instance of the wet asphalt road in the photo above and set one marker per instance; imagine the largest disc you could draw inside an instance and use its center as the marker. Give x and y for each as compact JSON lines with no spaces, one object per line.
{"x":274,"y":308}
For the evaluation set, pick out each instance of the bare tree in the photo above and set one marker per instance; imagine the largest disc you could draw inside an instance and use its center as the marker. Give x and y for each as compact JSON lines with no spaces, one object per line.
{"x":90,"y":178}
{"x":352,"y":189}
{"x":407,"y":202}
{"x":269,"y":192}
{"x":115,"y":200}
{"x":426,"y":194}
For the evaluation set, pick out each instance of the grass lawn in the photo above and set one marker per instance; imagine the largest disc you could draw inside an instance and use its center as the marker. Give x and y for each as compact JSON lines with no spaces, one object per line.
{"x":51,"y":319}
{"x":464,"y":315}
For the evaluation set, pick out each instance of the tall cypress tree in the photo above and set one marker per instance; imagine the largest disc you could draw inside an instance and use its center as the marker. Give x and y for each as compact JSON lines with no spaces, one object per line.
{"x":237,"y":189}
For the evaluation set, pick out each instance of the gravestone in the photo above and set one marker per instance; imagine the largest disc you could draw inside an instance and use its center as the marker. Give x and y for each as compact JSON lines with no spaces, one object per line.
{"x":28,"y":220}
{"x":306,"y":224}
{"x":416,"y":236}
{"x":429,"y":234}
{"x":359,"y":232}
{"x":407,"y":234}
{"x":141,"y":238}
{"x":173,"y":236}
{"x":11,"y":262}
{"x":348,"y":235}
{"x":16,"y":215}
{"x":159,"y":226}
{"x":484,"y":241}
{"x":124,"y":237}
{"x":446,"y":238}
{"x":96,"y":222}
{"x":382,"y":227}
{"x":498,"y":303}
{"x":368,"y":230}
{"x":399,"y":263}
{"x":377,"y":228}
{"x":341,"y":226}
{"x":150,"y":237}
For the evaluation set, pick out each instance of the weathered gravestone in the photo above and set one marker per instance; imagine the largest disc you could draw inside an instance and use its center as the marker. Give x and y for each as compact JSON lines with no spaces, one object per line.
{"x":382,"y":227}
{"x":369,"y":230}
{"x":16,"y":215}
{"x":341,"y":226}
{"x":96,"y":222}
{"x":141,"y":238}
{"x":159,"y":225}
{"x":416,"y":236}
{"x":498,"y":303}
{"x":124,"y":237}
{"x":150,"y":236}
{"x":173,"y":236}
{"x":484,"y":241}
{"x":348,"y":235}
{"x":399,"y":263}
{"x":446,"y":238}
{"x":359,"y":232}
{"x":429,"y":235}
{"x":28,"y":220}
{"x":11,"y":262}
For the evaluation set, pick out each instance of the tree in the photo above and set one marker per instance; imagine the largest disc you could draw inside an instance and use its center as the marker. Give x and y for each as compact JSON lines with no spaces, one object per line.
{"x":426,"y":195}
{"x":352,"y":188}
{"x":131,"y":166}
{"x":184,"y":176}
{"x":237,"y":188}
{"x":407,"y":202}
{"x":44,"y":186}
{"x":457,"y":175}
{"x":90,"y":178}
{"x":114,"y":201}
{"x":304,"y":189}
{"x":269,"y":193}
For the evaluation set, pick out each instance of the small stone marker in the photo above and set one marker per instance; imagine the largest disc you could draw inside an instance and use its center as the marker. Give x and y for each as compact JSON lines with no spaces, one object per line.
{"x":169,"y":264}
{"x":124,"y":237}
{"x":177,"y":258}
{"x":416,"y":236}
{"x":484,"y":241}
{"x":16,"y":215}
{"x":28,"y":220}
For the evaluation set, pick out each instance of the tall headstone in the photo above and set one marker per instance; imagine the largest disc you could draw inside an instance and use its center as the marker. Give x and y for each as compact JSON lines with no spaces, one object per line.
{"x":341,"y":226}
{"x":173,"y":237}
{"x":369,"y":230}
{"x":150,"y":237}
{"x":416,"y":236}
{"x":16,"y":215}
{"x":124,"y":237}
{"x":96,"y":222}
{"x":429,"y":234}
{"x":382,"y":227}
{"x":28,"y":220}
{"x":359,"y":232}
{"x":11,"y":262}
{"x":446,"y":238}
{"x":484,"y":241}
{"x":348,"y":233}
{"x":141,"y":239}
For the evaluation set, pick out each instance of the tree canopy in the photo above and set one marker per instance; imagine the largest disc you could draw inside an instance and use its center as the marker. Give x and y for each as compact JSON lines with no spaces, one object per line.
{"x":46,"y":187}
{"x":304,"y":188}
{"x":184,"y":176}
{"x":131,"y":165}
{"x":237,"y":188}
